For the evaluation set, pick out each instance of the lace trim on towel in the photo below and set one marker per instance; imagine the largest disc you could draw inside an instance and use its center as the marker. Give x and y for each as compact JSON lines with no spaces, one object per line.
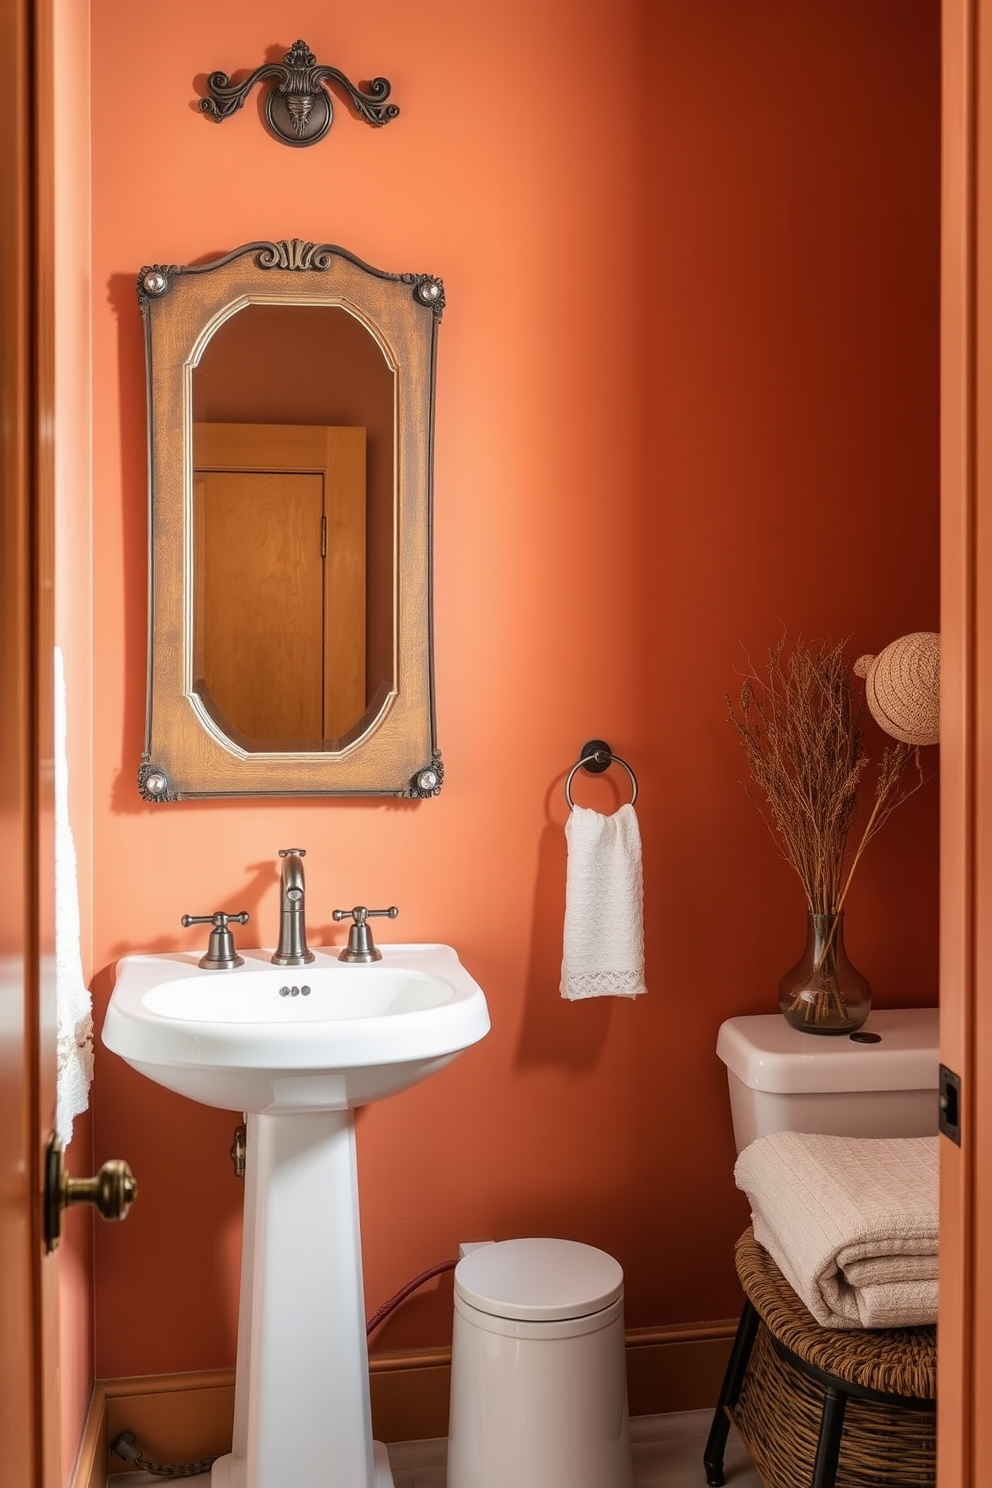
{"x":603,"y":984}
{"x":74,"y":1053}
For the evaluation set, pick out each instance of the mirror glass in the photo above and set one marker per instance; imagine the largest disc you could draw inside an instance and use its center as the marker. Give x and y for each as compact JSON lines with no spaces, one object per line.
{"x":293,"y":530}
{"x":291,"y":409}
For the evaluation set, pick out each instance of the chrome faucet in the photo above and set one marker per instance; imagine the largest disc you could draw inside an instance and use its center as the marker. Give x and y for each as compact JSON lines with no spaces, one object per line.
{"x":292,"y":949}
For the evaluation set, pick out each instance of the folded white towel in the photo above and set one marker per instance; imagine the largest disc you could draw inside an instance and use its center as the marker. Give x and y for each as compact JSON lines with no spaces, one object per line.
{"x":603,"y":953}
{"x":851,"y":1222}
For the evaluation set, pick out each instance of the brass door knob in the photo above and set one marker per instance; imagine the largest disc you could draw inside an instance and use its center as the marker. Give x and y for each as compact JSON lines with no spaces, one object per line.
{"x":112,"y":1191}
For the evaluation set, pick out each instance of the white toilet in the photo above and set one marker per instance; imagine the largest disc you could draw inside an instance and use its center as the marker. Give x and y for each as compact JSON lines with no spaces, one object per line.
{"x":538,"y":1369}
{"x":881,"y":1081}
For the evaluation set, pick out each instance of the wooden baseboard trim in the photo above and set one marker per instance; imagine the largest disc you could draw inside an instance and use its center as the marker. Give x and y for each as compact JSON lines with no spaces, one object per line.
{"x":183,"y":1417}
{"x":174,"y":1417}
{"x":90,"y":1470}
{"x":678,"y":1368}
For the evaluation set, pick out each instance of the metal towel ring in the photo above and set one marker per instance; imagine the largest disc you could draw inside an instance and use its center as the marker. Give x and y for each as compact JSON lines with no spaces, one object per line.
{"x":597,"y":756}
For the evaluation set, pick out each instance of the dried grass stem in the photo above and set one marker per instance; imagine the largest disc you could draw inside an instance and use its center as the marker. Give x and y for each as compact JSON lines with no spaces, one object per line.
{"x":804,"y":747}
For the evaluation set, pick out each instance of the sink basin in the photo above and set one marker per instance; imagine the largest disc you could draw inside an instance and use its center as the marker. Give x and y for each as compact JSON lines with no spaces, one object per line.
{"x":323,"y":1037}
{"x":297,"y":1049}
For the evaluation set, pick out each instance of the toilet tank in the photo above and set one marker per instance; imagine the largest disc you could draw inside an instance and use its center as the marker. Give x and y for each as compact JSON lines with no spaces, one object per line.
{"x":878,"y":1082}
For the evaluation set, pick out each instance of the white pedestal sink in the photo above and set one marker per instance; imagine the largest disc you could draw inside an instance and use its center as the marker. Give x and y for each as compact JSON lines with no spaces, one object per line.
{"x":298,"y":1049}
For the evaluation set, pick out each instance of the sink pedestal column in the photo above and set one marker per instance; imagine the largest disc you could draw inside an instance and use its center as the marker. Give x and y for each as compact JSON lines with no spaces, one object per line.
{"x":302,"y":1415}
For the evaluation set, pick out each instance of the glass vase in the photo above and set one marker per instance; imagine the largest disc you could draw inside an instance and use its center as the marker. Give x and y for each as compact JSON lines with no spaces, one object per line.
{"x":824,"y":993}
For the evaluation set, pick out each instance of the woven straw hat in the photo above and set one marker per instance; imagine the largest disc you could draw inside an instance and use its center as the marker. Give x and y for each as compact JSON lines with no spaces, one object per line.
{"x":902,"y":687}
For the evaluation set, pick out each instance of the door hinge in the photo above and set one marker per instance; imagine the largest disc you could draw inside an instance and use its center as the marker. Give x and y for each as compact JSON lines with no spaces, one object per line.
{"x":323,"y":537}
{"x":949,"y":1100}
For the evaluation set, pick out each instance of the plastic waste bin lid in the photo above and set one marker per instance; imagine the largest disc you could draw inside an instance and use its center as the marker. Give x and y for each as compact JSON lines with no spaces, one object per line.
{"x":538,"y":1280}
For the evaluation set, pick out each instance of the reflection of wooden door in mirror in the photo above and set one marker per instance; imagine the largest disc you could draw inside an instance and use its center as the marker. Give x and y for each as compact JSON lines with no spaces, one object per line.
{"x":280,"y":581}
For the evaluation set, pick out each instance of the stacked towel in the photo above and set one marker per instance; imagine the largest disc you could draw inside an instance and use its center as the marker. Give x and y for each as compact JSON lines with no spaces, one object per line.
{"x":603,"y":954}
{"x":851,"y":1222}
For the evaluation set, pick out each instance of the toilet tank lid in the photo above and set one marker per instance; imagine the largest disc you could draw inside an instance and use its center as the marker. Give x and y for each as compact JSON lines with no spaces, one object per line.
{"x":539,"y":1280}
{"x":765,"y":1053}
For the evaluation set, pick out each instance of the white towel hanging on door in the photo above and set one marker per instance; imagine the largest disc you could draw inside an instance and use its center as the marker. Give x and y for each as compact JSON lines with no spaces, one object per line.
{"x":73,"y":1003}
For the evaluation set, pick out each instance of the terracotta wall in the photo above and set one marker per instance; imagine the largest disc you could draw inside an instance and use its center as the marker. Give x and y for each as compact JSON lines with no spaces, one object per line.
{"x":687,"y":394}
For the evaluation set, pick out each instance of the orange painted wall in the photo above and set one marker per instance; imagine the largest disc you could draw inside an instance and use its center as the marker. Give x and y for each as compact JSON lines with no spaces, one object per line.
{"x":687,"y":392}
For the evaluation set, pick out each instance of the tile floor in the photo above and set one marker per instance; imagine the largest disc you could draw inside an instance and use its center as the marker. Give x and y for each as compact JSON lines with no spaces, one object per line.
{"x":667,"y":1452}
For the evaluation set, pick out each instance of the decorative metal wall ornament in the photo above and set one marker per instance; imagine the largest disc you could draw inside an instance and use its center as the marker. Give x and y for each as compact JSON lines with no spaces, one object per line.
{"x":428,"y":781}
{"x":299,"y":108}
{"x":154,"y":784}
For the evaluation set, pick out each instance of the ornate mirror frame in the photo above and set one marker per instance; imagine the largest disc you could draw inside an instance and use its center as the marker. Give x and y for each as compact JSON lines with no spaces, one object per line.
{"x":186,"y":754}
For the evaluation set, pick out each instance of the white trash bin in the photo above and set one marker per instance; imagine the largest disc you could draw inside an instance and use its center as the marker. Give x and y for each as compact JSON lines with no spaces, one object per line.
{"x":538,"y":1369}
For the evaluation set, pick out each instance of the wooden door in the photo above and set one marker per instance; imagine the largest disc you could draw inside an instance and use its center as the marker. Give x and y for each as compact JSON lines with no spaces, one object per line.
{"x":29,"y":1444}
{"x":259,"y":640}
{"x":965,"y":1328}
{"x":279,"y":579}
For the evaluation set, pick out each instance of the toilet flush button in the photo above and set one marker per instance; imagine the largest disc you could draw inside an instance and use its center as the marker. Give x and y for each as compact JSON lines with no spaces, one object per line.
{"x":866,"y":1038}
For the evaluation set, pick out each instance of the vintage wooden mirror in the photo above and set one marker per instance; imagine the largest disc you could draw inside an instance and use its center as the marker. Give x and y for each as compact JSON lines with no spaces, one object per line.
{"x":291,"y":418}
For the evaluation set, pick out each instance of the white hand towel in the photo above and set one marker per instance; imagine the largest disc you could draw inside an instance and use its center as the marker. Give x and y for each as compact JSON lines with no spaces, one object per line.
{"x":73,"y":1004}
{"x":603,"y":954}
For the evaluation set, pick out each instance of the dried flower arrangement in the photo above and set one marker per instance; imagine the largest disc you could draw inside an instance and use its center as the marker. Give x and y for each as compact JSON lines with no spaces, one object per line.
{"x":804,"y":747}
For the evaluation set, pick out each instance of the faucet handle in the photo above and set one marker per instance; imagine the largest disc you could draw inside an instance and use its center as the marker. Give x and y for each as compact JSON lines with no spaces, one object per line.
{"x":221,"y":955}
{"x":360,"y":947}
{"x":292,"y":852}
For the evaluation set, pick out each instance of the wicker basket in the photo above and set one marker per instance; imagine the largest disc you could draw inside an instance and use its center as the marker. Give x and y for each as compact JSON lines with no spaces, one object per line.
{"x":884,"y":1444}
